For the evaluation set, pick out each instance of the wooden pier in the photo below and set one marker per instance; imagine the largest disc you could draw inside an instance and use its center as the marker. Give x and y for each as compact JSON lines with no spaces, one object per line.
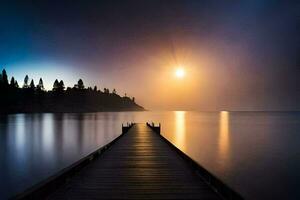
{"x":140,"y":164}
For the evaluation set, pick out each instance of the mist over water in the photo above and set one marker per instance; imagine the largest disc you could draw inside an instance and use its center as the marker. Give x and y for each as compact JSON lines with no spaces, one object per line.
{"x":255,"y":153}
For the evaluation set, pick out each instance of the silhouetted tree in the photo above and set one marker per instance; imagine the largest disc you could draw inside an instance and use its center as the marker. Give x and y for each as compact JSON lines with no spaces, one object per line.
{"x":55,"y":85}
{"x":3,"y":80}
{"x":106,"y":90}
{"x":32,"y":86}
{"x":125,"y":95}
{"x":16,"y":84}
{"x":114,"y":91}
{"x":133,"y":99}
{"x":12,"y":82}
{"x":61,"y":85}
{"x":40,"y":86}
{"x":80,"y":84}
{"x":58,"y":86}
{"x":95,"y":88}
{"x":26,"y":79}
{"x":4,"y":77}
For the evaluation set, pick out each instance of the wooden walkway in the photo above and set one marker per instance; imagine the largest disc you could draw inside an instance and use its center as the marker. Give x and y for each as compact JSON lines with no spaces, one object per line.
{"x":140,"y":165}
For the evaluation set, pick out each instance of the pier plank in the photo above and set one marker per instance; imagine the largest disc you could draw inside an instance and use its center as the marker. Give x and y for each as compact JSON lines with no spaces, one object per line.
{"x":140,"y":165}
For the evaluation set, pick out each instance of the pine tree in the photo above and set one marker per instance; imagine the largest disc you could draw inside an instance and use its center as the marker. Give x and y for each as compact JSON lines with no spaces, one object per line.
{"x":32,"y":86}
{"x":40,"y":86}
{"x":26,"y":79}
{"x":16,"y":84}
{"x":61,"y":85}
{"x":80,"y":84}
{"x":12,"y":82}
{"x":55,"y":85}
{"x":4,"y":77}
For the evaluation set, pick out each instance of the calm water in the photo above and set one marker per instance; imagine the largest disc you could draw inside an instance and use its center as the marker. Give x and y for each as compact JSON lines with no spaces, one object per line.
{"x":255,"y":153}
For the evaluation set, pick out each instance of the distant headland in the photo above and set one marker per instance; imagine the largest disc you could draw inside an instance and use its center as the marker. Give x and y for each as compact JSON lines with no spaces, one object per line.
{"x":34,"y":98}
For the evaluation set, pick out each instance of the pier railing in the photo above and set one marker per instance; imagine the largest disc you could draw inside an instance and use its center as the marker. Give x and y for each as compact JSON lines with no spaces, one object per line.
{"x":155,"y":128}
{"x":126,"y":127}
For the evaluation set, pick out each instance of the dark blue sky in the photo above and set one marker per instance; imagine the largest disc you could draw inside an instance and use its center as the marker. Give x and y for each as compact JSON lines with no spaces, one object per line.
{"x":247,"y":51}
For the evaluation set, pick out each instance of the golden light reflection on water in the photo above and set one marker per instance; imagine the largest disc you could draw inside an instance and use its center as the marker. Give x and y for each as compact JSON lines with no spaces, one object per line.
{"x":223,"y":148}
{"x":180,"y":132}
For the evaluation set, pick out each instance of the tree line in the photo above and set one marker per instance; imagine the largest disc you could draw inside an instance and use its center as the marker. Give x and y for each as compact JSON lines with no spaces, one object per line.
{"x":58,"y":86}
{"x":31,"y":97}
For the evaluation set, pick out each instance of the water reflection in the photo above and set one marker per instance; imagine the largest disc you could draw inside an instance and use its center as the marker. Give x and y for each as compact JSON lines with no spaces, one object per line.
{"x":180,"y":133}
{"x":237,"y":147}
{"x":20,"y":134}
{"x":47,"y":134}
{"x":223,"y":140}
{"x":35,"y":146}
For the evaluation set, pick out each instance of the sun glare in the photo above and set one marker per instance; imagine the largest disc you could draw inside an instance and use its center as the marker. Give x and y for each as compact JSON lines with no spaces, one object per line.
{"x":180,"y":72}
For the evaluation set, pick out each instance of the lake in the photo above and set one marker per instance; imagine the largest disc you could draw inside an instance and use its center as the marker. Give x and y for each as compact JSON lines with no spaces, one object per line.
{"x":255,"y":153}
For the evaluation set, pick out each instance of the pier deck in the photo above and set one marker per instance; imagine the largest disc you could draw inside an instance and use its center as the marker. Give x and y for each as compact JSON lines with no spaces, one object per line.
{"x":139,"y":165}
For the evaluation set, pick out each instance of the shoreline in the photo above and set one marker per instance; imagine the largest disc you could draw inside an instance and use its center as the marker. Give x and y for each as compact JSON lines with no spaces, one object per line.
{"x":69,"y":112}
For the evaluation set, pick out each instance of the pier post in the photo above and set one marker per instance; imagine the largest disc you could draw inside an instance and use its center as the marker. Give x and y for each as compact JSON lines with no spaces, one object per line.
{"x":156,"y":129}
{"x":125,"y":129}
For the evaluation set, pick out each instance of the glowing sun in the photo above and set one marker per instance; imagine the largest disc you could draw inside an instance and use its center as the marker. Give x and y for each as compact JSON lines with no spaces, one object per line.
{"x":180,"y":72}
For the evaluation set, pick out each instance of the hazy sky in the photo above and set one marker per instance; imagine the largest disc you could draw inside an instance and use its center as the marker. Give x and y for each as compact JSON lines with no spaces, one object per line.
{"x":242,"y":55}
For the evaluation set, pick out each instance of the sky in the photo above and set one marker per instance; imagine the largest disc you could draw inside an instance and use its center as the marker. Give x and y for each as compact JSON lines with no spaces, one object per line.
{"x":237,"y":55}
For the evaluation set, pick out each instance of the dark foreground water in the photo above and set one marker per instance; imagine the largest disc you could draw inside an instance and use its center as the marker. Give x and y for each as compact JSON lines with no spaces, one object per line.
{"x":255,"y":153}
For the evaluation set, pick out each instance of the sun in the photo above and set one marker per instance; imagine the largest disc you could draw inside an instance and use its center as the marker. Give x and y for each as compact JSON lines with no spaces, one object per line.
{"x":180,"y":72}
